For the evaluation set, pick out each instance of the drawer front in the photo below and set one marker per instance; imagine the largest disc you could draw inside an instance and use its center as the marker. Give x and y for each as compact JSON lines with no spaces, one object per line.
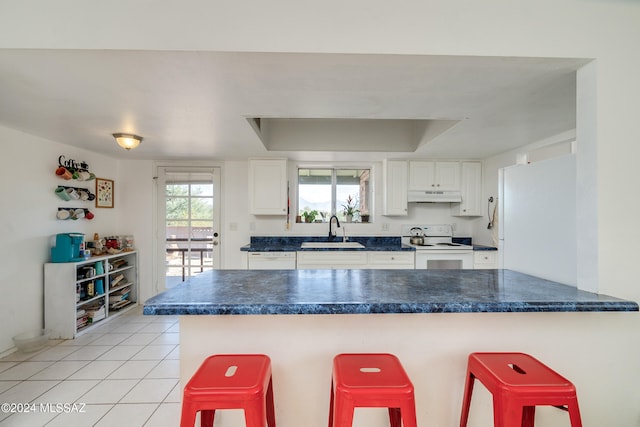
{"x":485,"y":259}
{"x":332,"y":257}
{"x":392,"y":258}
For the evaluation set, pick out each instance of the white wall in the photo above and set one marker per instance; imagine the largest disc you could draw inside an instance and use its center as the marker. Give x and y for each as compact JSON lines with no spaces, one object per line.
{"x":28,"y":222}
{"x":135,"y":216}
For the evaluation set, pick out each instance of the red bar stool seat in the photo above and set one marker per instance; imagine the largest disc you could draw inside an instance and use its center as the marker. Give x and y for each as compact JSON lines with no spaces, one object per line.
{"x":230,"y":381}
{"x":370,"y":380}
{"x":518,"y":383}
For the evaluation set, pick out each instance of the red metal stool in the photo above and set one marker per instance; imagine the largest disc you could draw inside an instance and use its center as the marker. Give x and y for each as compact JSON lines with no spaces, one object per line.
{"x":518,"y":383}
{"x":230,"y":381}
{"x":370,"y":380}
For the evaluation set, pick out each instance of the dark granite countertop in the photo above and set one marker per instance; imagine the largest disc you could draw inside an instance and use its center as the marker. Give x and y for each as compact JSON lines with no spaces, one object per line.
{"x":293,"y":243}
{"x":469,"y":241}
{"x":484,"y":248}
{"x":246,"y":292}
{"x":370,"y":243}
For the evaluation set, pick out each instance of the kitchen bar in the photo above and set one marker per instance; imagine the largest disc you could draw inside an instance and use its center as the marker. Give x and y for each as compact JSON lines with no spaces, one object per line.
{"x":430,"y":319}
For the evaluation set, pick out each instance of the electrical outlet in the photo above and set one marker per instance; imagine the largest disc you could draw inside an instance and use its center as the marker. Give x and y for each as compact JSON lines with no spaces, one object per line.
{"x":385,"y":226}
{"x":454,"y":226}
{"x":252,"y":226}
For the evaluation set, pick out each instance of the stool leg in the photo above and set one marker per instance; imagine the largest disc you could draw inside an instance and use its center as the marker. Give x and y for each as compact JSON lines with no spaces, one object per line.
{"x":409,"y":414}
{"x":255,"y":413}
{"x":271,"y":414}
{"x":331,"y":400}
{"x":528,"y":416}
{"x":342,"y":413}
{"x":466,"y":400}
{"x":499,"y":412}
{"x":188,"y":417}
{"x":395,"y":418}
{"x":512,"y":413}
{"x":574,"y":414}
{"x":206,"y":417}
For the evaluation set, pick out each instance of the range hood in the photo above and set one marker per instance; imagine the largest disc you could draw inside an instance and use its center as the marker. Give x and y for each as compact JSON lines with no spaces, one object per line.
{"x":434,"y":196}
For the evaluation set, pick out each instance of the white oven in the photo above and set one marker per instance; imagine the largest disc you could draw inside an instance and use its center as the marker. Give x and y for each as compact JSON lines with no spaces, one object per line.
{"x":447,"y":260}
{"x":437,"y":250}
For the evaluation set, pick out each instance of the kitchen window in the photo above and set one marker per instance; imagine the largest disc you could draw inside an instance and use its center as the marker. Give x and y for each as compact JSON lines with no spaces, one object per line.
{"x":344,"y":192}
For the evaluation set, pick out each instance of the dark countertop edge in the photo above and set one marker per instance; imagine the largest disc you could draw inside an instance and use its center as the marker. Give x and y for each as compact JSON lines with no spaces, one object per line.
{"x":390,"y":308}
{"x":286,"y":248}
{"x":249,"y":248}
{"x":484,"y":248}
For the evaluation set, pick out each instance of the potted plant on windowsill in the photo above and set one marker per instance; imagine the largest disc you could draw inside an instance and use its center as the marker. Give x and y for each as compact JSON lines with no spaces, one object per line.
{"x":310,"y":216}
{"x":350,"y":209}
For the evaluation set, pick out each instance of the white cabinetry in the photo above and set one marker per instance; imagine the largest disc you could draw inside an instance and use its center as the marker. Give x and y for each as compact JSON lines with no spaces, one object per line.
{"x":471,"y":191}
{"x":268,"y":186}
{"x":356,"y":260}
{"x":391,"y":260}
{"x":80,"y":295}
{"x":485,"y":260}
{"x":434,"y":176}
{"x":332,"y":260}
{"x":271,"y":261}
{"x":394,"y":190}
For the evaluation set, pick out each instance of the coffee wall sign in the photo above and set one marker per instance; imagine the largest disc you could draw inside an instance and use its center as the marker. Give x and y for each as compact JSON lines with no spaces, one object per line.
{"x":71,"y":169}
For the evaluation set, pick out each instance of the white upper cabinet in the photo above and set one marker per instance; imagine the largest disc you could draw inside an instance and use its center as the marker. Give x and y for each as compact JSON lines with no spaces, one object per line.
{"x":434,"y":176}
{"x":471,"y":191}
{"x":394,"y":190}
{"x":268,"y":186}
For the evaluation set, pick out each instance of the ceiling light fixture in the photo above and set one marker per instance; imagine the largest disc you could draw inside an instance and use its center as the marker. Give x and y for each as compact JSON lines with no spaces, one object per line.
{"x":127,"y":140}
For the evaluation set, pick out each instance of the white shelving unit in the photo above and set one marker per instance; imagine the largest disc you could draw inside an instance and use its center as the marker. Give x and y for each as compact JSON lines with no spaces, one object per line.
{"x":73,"y":300}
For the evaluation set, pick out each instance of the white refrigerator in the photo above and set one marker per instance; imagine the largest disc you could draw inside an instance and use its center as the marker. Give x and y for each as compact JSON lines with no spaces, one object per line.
{"x":537,"y":226}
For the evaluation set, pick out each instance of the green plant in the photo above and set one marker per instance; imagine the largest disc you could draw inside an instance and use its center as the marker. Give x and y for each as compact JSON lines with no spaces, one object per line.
{"x":351,"y":208}
{"x":310,"y":216}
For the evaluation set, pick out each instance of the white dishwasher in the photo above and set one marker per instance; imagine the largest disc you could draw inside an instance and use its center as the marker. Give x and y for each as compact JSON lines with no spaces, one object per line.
{"x":272,"y":260}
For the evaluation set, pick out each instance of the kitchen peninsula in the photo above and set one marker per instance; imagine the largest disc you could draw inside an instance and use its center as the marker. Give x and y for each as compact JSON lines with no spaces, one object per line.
{"x":431,"y":319}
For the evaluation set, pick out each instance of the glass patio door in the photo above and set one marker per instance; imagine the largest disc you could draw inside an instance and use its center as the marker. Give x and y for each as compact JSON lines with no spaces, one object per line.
{"x":190,"y":218}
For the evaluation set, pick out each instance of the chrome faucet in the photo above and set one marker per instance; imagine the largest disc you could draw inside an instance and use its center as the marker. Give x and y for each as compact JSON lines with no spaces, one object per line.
{"x":332,"y":233}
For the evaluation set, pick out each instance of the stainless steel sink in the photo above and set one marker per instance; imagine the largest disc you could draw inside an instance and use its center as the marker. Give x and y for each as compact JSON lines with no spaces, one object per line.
{"x":324,"y":245}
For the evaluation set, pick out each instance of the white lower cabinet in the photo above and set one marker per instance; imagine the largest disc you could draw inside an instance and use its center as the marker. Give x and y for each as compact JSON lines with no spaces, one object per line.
{"x":485,"y":260}
{"x":332,"y":260}
{"x":80,"y":295}
{"x":355,"y":260}
{"x":392,"y":260}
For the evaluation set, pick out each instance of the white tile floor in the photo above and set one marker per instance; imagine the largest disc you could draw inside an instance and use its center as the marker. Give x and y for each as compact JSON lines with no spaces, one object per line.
{"x":123,"y":373}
